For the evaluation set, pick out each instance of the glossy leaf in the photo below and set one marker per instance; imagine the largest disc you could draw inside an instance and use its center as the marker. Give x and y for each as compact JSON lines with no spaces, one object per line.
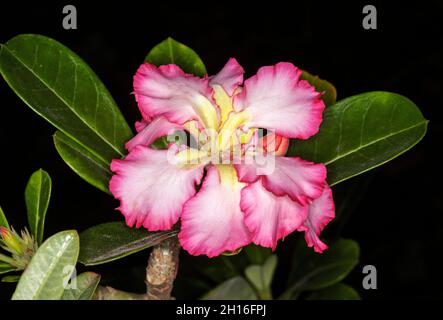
{"x":329,"y":92}
{"x":6,"y":267}
{"x":362,"y":132}
{"x":37,"y":196}
{"x":3,"y":220}
{"x":339,"y":291}
{"x":48,"y":272}
{"x":88,"y":166}
{"x":313,"y":271}
{"x":82,"y":287}
{"x":114,"y":240}
{"x":59,"y":86}
{"x":236,"y":288}
{"x":170,"y":51}
{"x":261,"y":276}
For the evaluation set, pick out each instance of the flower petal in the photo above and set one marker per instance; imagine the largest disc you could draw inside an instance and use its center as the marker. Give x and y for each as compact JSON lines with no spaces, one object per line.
{"x":140,"y":125}
{"x":276,"y":99}
{"x":321,"y":212}
{"x":212,"y":221}
{"x":270,"y":217}
{"x":151,"y":190}
{"x":168,"y":91}
{"x":300,"y":179}
{"x":157,"y":128}
{"x":230,"y":77}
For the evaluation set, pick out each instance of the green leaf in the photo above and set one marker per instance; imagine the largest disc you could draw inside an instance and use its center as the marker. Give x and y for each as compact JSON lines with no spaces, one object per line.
{"x":257,"y":254}
{"x":88,"y":166}
{"x":46,"y":276}
{"x":339,"y":291}
{"x":313,"y":271}
{"x":6,"y":267}
{"x":170,"y":51}
{"x":214,"y":270}
{"x":362,"y":132}
{"x":329,"y":92}
{"x":82,"y":287}
{"x":3,"y":220}
{"x":236,"y":288}
{"x":11,"y":279}
{"x":59,"y":86}
{"x":114,"y":240}
{"x":37,"y":196}
{"x":261,"y":276}
{"x":7,"y":260}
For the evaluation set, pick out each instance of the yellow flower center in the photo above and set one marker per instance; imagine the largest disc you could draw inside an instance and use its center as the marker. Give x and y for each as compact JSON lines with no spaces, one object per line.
{"x":222,"y":136}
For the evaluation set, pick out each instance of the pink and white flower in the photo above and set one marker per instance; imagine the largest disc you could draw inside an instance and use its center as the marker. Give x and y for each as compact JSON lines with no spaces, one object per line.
{"x":232,"y":185}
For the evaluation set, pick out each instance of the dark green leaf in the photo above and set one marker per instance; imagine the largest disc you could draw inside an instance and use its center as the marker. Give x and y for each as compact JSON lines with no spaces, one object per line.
{"x":82,"y":287}
{"x":114,"y":240}
{"x":233,"y":289}
{"x":11,"y":279}
{"x":261,"y":276}
{"x":5,"y":268}
{"x":60,"y":87}
{"x":47,"y":275}
{"x":3,"y":220}
{"x":217,"y":269}
{"x":338,"y":291}
{"x":257,"y":254}
{"x":170,"y":51}
{"x":329,"y":92}
{"x":37,"y":196}
{"x":88,"y":166}
{"x":313,"y":271}
{"x":362,"y":132}
{"x":160,"y":143}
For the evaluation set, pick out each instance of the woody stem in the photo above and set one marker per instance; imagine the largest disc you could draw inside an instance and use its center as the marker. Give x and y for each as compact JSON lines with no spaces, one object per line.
{"x":160,"y":275}
{"x":162,"y":269}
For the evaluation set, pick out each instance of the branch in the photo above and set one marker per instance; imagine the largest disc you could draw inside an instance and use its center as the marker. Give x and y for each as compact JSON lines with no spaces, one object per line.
{"x":162,"y":269}
{"x":160,"y":275}
{"x":109,"y":293}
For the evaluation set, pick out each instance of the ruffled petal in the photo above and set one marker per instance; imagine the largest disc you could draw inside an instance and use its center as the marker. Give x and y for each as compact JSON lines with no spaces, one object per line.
{"x":149,"y":133}
{"x":321,"y":212}
{"x":270,"y":217}
{"x":301,"y":180}
{"x":212,"y":221}
{"x":140,"y":125}
{"x":151,"y":190}
{"x":168,"y":91}
{"x":276,"y":99}
{"x":230,"y":77}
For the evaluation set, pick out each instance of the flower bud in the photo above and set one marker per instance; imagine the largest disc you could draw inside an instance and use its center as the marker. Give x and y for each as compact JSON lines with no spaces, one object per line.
{"x":11,"y":240}
{"x":276,"y":144}
{"x":22,"y":247}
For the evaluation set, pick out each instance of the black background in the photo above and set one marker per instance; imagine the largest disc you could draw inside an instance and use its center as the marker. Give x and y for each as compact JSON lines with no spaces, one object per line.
{"x":398,"y":221}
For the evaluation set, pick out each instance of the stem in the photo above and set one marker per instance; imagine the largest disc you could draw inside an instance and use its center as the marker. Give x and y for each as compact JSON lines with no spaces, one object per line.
{"x":109,"y":293}
{"x":160,"y":275}
{"x":162,"y":269}
{"x":265,"y":294}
